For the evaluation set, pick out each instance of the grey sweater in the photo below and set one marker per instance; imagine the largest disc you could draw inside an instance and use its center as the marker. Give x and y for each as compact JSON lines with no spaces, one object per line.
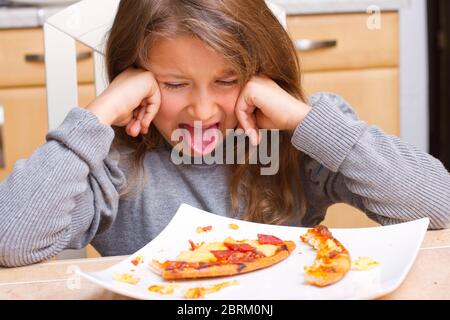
{"x":66,"y":195}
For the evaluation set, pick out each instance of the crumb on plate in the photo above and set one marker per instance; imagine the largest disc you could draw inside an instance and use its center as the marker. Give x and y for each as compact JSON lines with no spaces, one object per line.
{"x":200,"y":292}
{"x":163,"y":289}
{"x":126,"y":278}
{"x":138,"y":260}
{"x":364,"y":263}
{"x":204,"y":229}
{"x":233,"y":226}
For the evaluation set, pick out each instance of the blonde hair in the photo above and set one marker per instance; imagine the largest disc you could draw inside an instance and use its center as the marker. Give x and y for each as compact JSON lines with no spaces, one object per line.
{"x":251,"y":39}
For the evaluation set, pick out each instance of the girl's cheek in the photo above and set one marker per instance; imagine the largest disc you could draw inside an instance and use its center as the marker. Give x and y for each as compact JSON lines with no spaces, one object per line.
{"x":167,"y":117}
{"x":229,"y":105}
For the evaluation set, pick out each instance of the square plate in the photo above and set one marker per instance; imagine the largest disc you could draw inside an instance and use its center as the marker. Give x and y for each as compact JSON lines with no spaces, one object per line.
{"x":395,"y":247}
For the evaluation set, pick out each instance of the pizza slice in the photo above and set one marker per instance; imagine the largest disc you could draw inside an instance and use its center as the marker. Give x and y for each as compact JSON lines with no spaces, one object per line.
{"x":332,"y":261}
{"x":227,"y":258}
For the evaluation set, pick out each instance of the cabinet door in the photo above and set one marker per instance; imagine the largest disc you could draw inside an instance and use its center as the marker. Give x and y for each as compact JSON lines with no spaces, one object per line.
{"x":26,"y":122}
{"x":21,"y":55}
{"x":355,"y":45}
{"x":374,"y":94}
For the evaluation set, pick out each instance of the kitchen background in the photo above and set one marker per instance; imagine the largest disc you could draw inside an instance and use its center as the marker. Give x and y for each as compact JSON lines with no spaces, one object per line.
{"x":388,"y":58}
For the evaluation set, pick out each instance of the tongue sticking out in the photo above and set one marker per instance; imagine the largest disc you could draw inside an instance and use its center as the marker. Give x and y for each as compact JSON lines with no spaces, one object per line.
{"x":201,"y":140}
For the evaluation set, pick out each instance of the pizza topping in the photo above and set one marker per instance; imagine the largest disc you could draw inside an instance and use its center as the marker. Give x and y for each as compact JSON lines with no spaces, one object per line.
{"x":267,"y":249}
{"x":136,"y":261}
{"x":241,"y":247}
{"x":126,"y":278}
{"x":364,"y":263}
{"x":267,"y":239}
{"x":166,"y":289}
{"x":332,"y":246}
{"x":230,"y":256}
{"x":233,"y":226}
{"x":200,"y":292}
{"x":204,"y":229}
{"x":222,"y":254}
{"x":198,"y":255}
{"x":213,"y":246}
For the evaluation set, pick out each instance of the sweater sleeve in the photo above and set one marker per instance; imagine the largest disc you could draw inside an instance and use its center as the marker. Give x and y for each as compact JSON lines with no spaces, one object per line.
{"x":388,"y":179}
{"x":65,"y":193}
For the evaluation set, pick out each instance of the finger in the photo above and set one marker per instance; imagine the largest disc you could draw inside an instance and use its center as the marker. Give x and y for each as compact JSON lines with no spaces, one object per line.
{"x":141,"y":113}
{"x":150,"y":114}
{"x":245,"y":115}
{"x":133,"y":128}
{"x":153,"y":102}
{"x":129,"y":125}
{"x":239,"y":129}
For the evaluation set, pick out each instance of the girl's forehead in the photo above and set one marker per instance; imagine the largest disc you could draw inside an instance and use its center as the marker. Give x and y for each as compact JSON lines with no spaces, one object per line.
{"x":185,"y":55}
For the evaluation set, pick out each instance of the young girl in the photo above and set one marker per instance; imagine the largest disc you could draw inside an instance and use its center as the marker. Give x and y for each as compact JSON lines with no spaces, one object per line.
{"x":106,"y":177}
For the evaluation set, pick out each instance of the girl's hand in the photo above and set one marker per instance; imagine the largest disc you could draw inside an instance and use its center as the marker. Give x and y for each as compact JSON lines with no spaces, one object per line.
{"x":131,"y":100}
{"x":263,"y":104}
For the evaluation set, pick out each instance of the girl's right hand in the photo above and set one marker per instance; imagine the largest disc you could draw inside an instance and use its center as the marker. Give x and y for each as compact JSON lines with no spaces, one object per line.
{"x":132,"y":100}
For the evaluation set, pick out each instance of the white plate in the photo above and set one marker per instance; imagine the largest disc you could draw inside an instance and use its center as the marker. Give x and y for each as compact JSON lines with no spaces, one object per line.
{"x":395,"y":247}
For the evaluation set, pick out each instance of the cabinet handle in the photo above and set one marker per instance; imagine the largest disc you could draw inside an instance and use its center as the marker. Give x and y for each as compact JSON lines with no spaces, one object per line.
{"x":2,"y":122}
{"x":40,"y":58}
{"x":310,"y":45}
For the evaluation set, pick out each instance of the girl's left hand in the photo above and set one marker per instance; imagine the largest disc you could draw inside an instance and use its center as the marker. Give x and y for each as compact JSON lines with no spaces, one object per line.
{"x":263,"y":104}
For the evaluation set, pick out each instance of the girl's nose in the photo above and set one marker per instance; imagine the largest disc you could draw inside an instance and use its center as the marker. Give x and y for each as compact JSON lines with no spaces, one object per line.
{"x":204,"y":107}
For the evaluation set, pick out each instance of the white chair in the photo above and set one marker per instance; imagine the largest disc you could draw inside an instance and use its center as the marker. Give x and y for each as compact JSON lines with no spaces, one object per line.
{"x":88,"y":22}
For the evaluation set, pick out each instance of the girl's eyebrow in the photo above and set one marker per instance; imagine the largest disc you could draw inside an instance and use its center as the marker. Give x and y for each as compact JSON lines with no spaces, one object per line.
{"x":174,"y":75}
{"x":221,"y":74}
{"x":227,"y":73}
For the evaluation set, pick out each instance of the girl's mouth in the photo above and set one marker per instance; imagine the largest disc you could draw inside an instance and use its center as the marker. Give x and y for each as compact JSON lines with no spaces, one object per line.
{"x":200,"y":139}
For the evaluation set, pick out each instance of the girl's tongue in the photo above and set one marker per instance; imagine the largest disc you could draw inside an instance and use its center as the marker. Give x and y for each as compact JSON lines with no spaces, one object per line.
{"x":201,"y":140}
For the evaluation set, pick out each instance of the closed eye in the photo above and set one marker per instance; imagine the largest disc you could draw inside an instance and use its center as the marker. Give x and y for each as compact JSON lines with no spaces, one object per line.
{"x":173,"y":86}
{"x":227,"y":83}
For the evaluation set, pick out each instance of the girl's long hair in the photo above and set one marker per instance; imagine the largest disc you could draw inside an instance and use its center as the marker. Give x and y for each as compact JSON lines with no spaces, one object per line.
{"x":249,"y":36}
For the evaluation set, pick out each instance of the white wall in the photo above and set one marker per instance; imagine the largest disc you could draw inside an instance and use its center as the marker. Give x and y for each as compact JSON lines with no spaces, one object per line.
{"x":414,"y":74}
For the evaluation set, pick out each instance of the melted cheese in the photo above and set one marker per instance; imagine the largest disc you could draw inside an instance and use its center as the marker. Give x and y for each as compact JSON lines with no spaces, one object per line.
{"x":266,"y":249}
{"x":199,"y":255}
{"x":332,"y":246}
{"x":213,"y":246}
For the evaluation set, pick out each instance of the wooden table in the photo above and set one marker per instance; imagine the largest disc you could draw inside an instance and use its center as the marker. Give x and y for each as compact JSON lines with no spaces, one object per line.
{"x":429,"y":277}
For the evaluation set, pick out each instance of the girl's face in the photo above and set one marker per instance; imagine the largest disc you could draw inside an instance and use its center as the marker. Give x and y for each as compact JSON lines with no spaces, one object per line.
{"x":199,"y":92}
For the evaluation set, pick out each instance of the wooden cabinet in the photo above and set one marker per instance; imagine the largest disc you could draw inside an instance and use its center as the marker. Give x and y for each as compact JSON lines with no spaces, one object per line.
{"x":23,"y":93}
{"x":26,"y":122}
{"x":373,"y":93}
{"x":21,"y":54}
{"x":361,"y":65}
